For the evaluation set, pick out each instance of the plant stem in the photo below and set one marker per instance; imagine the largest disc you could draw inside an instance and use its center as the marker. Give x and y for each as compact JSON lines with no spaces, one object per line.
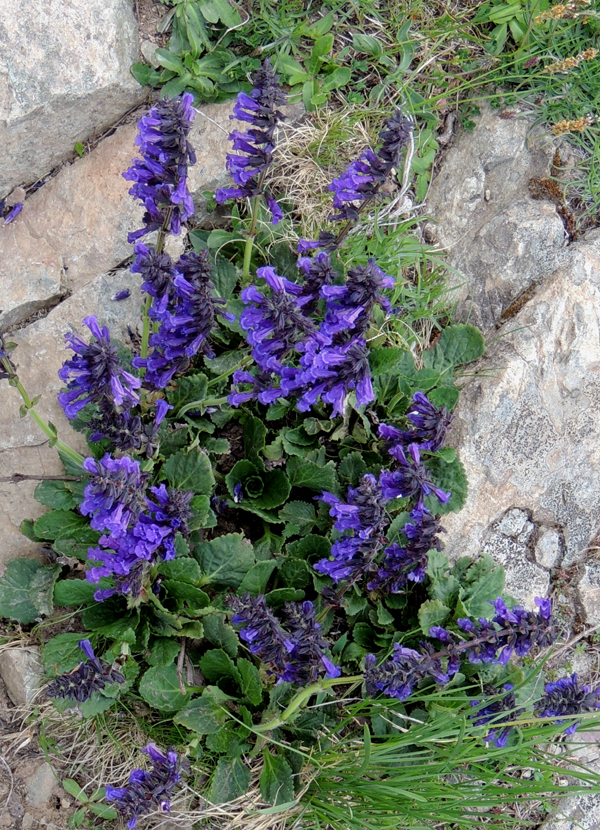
{"x":245,"y":362}
{"x":302,"y":697}
{"x":49,"y":430}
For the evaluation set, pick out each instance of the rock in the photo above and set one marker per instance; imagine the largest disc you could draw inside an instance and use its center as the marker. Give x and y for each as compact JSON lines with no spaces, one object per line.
{"x":21,"y":670}
{"x":527,"y":424}
{"x":40,"y":785}
{"x":589,"y":592}
{"x":39,"y":355}
{"x":549,"y":549}
{"x":501,"y":242}
{"x":148,"y":50}
{"x":71,"y":230}
{"x":28,"y":821}
{"x":65,"y":76}
{"x":508,"y":544}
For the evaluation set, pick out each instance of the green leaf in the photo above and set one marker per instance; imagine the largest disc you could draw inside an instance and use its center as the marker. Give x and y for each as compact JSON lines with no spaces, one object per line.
{"x":159,"y":687}
{"x":189,"y":389}
{"x":218,"y":446}
{"x":432,"y":612}
{"x":164,"y":651}
{"x":339,"y":77}
{"x":294,"y":573}
{"x":250,"y":681}
{"x":184,"y":569}
{"x":103,"y":811}
{"x":62,"y":653}
{"x":352,"y":468}
{"x":72,"y":787}
{"x":216,"y":664}
{"x":224,"y":277}
{"x":484,"y":581}
{"x":220,"y":634}
{"x":303,"y":473}
{"x":78,"y":544}
{"x":450,"y":477}
{"x":320,"y":27}
{"x":170,"y":61}
{"x":311,"y":546}
{"x":55,"y":494}
{"x":254,"y":437}
{"x":203,"y":715}
{"x":255,"y":581}
{"x":25,"y":589}
{"x":231,"y":779}
{"x":276,"y":782}
{"x":41,"y":588}
{"x":70,"y":592}
{"x":322,"y":46}
{"x":383,"y":361}
{"x":444,"y":396}
{"x":368,"y":44}
{"x":300,"y":518}
{"x":458,"y":344}
{"x":59,"y":524}
{"x":190,"y":471}
{"x":276,"y":598}
{"x":225,"y":560}
{"x":447,"y":454}
{"x":195,"y":597}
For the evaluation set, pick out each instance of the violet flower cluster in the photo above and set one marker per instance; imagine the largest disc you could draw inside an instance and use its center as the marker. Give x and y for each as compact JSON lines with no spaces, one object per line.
{"x":148,"y":790}
{"x":297,"y":355}
{"x":364,"y":550}
{"x":160,"y":176}
{"x":295,"y":653}
{"x":141,"y":527}
{"x":567,"y":697}
{"x":502,"y":708}
{"x":256,"y":145}
{"x":90,"y":676}
{"x":398,"y":676}
{"x":184,"y":308}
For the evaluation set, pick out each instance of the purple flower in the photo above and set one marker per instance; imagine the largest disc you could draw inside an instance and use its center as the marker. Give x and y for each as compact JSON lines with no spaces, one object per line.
{"x":115,"y":495}
{"x":14,"y":213}
{"x":147,"y":790}
{"x":431,"y":424}
{"x":121,"y":295}
{"x":160,"y":176}
{"x":95,"y":373}
{"x":262,"y":385}
{"x":318,"y":273}
{"x":503,"y":708}
{"x":362,"y":291}
{"x":261,"y":631}
{"x":364,"y":515}
{"x":157,"y":273}
{"x":295,"y":654}
{"x":363,"y":178}
{"x":90,"y":676}
{"x":332,"y":372}
{"x":274,"y":324}
{"x":401,"y":564}
{"x":411,"y":478}
{"x":186,"y":326}
{"x":567,"y":697}
{"x":398,"y":676}
{"x":259,"y":109}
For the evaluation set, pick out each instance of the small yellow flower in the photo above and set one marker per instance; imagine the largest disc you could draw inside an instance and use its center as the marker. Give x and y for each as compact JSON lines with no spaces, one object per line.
{"x":578,"y":125}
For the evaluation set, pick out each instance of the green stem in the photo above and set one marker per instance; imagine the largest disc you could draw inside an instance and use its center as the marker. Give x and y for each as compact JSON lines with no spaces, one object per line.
{"x":301,"y":698}
{"x":45,"y":427}
{"x":202,"y":404}
{"x":245,"y":362}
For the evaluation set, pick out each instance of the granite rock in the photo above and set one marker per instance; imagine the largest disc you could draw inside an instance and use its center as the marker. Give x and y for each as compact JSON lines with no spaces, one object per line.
{"x":500,"y":242}
{"x":64,"y":77}
{"x":527,"y":423}
{"x":21,"y":671}
{"x":39,"y":354}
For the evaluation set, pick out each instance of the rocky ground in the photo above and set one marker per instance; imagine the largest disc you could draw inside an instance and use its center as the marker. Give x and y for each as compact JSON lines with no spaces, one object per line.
{"x":527,"y":425}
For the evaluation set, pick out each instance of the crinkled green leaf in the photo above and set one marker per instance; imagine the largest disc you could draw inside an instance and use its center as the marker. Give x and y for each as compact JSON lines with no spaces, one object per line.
{"x":220,"y":633}
{"x":299,"y":516}
{"x":59,"y":524}
{"x":352,"y":468}
{"x":164,"y":651}
{"x":231,"y":779}
{"x":432,"y":612}
{"x":71,"y":592}
{"x":190,"y":471}
{"x":276,"y":781}
{"x":303,"y":473}
{"x":204,"y":715}
{"x":255,"y":581}
{"x":55,"y":494}
{"x":450,"y":477}
{"x":216,"y":664}
{"x":26,"y":590}
{"x":250,"y":681}
{"x":224,"y":560}
{"x":159,"y":687}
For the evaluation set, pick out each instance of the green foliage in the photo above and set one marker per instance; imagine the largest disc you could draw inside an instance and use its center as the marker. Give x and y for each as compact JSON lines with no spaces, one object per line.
{"x":276,"y":782}
{"x":160,"y":688}
{"x":26,"y":590}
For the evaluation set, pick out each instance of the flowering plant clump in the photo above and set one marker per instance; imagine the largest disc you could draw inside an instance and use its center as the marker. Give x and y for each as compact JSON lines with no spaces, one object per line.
{"x":260,"y":510}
